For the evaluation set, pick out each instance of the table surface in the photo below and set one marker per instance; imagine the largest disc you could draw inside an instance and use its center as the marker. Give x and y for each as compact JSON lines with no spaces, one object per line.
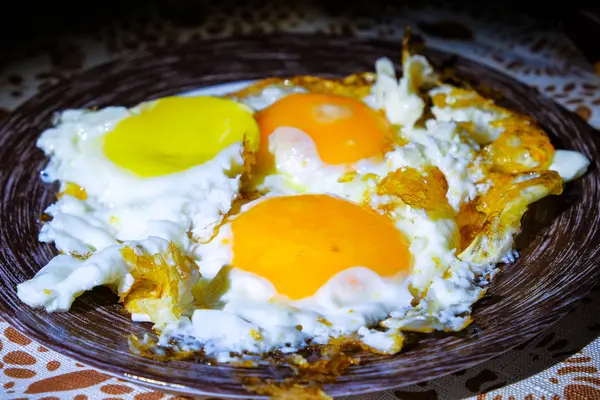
{"x":562,"y":362}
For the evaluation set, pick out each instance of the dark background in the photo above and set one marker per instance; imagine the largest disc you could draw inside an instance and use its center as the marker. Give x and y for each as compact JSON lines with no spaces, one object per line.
{"x":23,"y":21}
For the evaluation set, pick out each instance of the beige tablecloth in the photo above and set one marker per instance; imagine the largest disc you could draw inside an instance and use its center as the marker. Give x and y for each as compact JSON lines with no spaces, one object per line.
{"x":562,"y":362}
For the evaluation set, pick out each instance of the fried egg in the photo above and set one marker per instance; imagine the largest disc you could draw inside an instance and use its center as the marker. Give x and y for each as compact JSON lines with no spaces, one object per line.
{"x":293,"y":212}
{"x":293,"y":278}
{"x":126,"y":174}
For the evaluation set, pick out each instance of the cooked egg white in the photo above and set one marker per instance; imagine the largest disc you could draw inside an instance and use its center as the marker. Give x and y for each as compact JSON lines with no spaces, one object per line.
{"x":472,"y":108}
{"x":64,"y":278}
{"x":399,"y":98}
{"x":569,"y":164}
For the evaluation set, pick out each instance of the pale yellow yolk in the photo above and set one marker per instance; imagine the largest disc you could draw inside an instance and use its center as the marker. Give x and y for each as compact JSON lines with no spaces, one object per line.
{"x":173,"y":134}
{"x":299,"y":242}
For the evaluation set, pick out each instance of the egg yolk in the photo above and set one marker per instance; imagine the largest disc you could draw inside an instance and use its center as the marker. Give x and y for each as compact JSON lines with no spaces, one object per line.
{"x":173,"y":134}
{"x":344,"y":130}
{"x":299,"y":242}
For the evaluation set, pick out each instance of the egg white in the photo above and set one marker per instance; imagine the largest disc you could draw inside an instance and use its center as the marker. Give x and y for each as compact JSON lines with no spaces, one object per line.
{"x":64,"y":278}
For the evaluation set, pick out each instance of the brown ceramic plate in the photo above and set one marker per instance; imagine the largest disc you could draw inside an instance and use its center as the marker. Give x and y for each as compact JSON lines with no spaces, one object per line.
{"x":559,"y":248}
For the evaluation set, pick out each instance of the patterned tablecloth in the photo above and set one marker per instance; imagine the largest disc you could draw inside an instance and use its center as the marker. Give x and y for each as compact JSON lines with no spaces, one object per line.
{"x":562,"y":362}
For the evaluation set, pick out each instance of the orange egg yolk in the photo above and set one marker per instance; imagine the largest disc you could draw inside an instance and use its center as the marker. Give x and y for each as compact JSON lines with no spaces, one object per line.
{"x":299,"y":242}
{"x":343,"y":129}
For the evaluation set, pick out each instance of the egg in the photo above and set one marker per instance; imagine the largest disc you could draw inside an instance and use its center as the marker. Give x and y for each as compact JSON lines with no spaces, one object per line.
{"x":349,"y":273}
{"x":343,"y":129}
{"x":294,"y":212}
{"x":126,"y":174}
